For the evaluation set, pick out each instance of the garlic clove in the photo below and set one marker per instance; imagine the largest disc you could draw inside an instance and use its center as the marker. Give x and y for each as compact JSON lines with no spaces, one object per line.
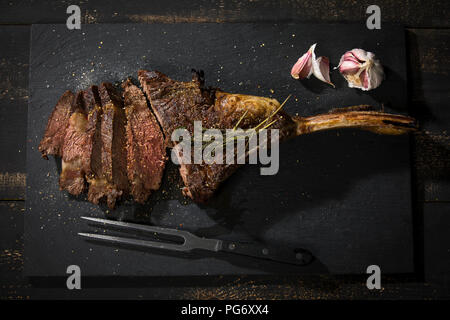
{"x":302,"y":69}
{"x":349,"y":67}
{"x":364,"y":79}
{"x":361,"y":69}
{"x":321,"y":69}
{"x":348,"y":63}
{"x":375,"y":74}
{"x":361,"y":54}
{"x":308,"y":64}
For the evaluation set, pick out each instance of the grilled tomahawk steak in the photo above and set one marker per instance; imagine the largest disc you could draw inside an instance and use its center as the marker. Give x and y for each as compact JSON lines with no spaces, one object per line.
{"x":178,"y":104}
{"x":119,"y":148}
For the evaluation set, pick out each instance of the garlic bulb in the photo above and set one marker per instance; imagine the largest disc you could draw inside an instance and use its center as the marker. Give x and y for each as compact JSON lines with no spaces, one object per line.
{"x":361,"y":69}
{"x":308,"y":64}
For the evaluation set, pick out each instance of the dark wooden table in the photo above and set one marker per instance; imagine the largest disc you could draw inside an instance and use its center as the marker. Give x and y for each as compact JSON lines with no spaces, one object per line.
{"x":427,"y":33}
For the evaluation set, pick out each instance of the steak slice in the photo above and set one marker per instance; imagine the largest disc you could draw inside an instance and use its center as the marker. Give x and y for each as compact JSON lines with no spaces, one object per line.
{"x":79,"y":149}
{"x":93,"y":109}
{"x":75,"y":150}
{"x":146,"y":151}
{"x":53,"y":139}
{"x":109,"y":177}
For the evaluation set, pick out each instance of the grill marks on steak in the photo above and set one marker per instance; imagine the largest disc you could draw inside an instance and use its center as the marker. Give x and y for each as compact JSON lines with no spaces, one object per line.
{"x":109,"y":179}
{"x":146,"y":152}
{"x":53,"y":140}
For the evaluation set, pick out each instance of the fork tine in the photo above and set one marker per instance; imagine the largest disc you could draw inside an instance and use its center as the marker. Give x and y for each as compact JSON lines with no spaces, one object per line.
{"x":137,"y":242}
{"x":141,"y":227}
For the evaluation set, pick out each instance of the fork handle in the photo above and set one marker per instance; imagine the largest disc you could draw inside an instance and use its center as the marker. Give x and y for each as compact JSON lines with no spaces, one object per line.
{"x":257,"y":250}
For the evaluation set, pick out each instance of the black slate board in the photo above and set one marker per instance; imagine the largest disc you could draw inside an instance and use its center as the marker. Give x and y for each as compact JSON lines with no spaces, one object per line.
{"x":343,"y":195}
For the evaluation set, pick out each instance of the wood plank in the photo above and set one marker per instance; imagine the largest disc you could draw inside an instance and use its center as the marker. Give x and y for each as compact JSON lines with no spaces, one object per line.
{"x":429,"y":67}
{"x":12,"y":283}
{"x":13,"y":109}
{"x":409,"y":13}
{"x":287,"y":288}
{"x":436,"y":219}
{"x":12,"y":186}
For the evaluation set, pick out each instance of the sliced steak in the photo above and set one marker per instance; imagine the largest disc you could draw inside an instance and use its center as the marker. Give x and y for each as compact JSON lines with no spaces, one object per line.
{"x":146,"y":151}
{"x":79,"y":148}
{"x":93,"y":108}
{"x":109,"y":180}
{"x":53,"y":139}
{"x":76,"y":150}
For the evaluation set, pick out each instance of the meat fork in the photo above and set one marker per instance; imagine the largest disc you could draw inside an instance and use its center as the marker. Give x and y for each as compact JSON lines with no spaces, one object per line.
{"x":191,"y":242}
